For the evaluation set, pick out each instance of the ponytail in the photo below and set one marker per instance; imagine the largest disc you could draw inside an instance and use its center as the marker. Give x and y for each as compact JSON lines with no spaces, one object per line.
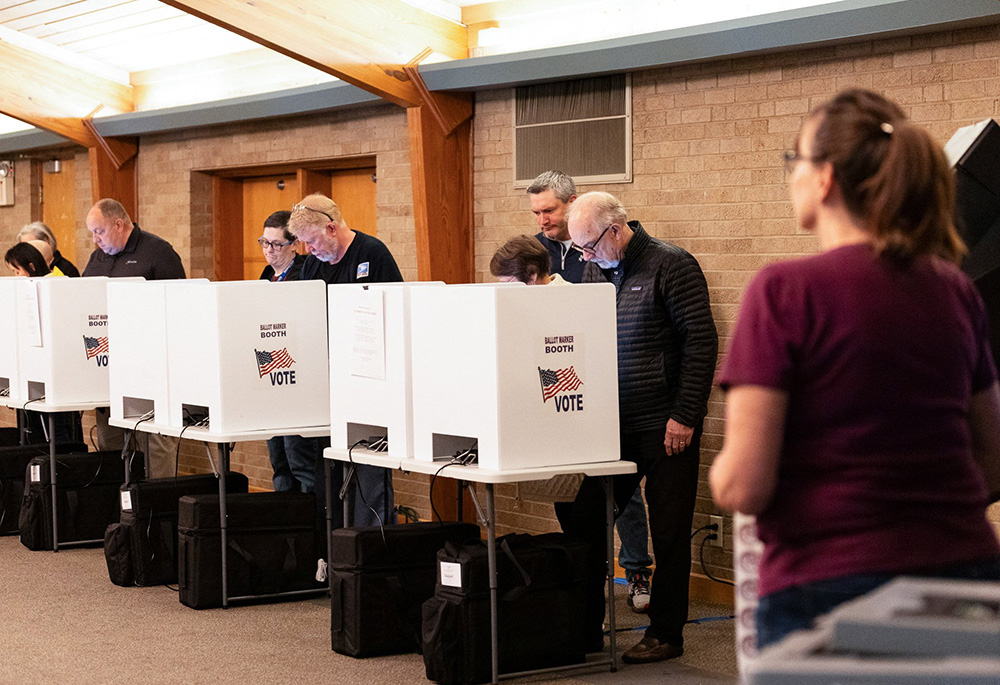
{"x":911,"y":199}
{"x":892,"y":175}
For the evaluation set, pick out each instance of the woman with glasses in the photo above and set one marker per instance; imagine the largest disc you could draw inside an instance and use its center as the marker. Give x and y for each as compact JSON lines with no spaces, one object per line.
{"x":293,"y":458}
{"x":283,"y":262}
{"x":863,"y":412}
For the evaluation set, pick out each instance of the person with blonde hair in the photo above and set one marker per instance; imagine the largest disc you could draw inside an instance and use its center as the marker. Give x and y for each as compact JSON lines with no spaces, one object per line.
{"x":339,"y":254}
{"x":863,"y":411}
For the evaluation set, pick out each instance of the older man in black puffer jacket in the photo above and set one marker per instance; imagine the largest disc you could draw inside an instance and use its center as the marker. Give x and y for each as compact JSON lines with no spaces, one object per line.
{"x":667,"y":349}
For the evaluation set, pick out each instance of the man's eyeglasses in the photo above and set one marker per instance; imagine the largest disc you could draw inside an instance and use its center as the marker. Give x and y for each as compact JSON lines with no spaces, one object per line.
{"x":592,"y":247}
{"x":273,"y":244}
{"x":297,"y":208}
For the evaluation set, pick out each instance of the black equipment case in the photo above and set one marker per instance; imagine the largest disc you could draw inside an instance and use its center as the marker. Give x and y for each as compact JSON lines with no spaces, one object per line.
{"x":141,"y":549}
{"x":540,"y":619}
{"x":378,"y":585}
{"x":86,"y":496}
{"x":14,"y":460}
{"x":272,"y":546}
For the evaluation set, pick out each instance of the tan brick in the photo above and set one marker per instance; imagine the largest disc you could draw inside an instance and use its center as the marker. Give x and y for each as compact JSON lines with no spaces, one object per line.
{"x":701,"y":114}
{"x":981,"y":69}
{"x":936,"y":73}
{"x":912,"y":58}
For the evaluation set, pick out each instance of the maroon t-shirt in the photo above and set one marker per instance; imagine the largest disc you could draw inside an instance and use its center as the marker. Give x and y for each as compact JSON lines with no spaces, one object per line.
{"x":879,"y":363}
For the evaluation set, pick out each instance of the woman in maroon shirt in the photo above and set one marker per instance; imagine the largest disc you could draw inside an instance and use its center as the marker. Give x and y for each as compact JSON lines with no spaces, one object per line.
{"x":863,"y":411}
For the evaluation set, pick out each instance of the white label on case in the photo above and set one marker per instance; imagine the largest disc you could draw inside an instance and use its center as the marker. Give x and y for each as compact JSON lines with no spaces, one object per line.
{"x":36,"y":473}
{"x":451,"y":574}
{"x":126,"y":500}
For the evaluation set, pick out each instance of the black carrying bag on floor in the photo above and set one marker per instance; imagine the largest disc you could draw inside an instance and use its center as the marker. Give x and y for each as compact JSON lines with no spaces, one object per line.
{"x":380,"y":584}
{"x":14,"y":460}
{"x":272,"y":546}
{"x":540,"y":618}
{"x":86,"y":497}
{"x":141,"y":549}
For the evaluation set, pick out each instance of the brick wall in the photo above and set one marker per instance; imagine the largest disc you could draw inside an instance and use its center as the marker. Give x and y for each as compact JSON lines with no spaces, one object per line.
{"x":708,"y":174}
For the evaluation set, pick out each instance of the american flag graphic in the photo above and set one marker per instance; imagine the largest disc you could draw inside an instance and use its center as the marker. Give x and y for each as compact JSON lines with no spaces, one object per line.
{"x":554,"y":382}
{"x":269,"y":361}
{"x":95,"y":346}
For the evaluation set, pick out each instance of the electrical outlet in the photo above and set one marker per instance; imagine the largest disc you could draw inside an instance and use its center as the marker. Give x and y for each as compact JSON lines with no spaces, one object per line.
{"x":718,"y":521}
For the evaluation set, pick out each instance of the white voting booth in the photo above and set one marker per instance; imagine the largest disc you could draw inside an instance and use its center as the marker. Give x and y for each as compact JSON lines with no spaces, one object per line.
{"x":528,"y":373}
{"x":371,"y":368}
{"x":137,"y":328}
{"x":9,"y":357}
{"x":63,"y":339}
{"x":247,"y":355}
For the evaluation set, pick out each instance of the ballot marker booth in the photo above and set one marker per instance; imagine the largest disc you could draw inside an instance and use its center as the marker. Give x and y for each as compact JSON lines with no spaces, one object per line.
{"x":10,"y":388}
{"x":529,"y":374}
{"x":247,"y":355}
{"x":137,"y":328}
{"x":371,"y":369}
{"x":62,"y":328}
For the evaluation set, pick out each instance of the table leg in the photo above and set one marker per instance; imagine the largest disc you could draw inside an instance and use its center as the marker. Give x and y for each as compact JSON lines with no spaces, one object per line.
{"x":491,"y":556}
{"x":347,"y":474}
{"x":52,"y":478}
{"x":328,"y":482}
{"x":609,"y":492}
{"x":224,"y":533}
{"x":125,"y":459}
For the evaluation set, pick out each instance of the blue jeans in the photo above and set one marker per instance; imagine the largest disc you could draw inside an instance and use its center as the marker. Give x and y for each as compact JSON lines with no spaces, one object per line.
{"x":633,"y":555}
{"x":293,"y":459}
{"x":795,"y":608}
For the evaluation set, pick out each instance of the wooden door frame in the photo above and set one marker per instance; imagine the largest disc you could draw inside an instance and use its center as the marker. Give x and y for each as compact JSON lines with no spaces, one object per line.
{"x":227,"y":201}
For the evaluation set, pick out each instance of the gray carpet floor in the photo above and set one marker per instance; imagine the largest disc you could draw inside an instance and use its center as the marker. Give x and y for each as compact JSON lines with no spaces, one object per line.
{"x":62,"y":621}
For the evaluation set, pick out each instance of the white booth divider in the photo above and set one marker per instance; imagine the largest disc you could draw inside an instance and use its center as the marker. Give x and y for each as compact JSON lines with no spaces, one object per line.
{"x":248,"y":355}
{"x":530,"y":374}
{"x":63,"y":339}
{"x":9,"y":357}
{"x":137,"y":332}
{"x":370,"y":369}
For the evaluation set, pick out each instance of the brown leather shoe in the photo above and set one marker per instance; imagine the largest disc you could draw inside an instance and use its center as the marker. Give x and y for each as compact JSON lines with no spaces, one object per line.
{"x":649,"y":650}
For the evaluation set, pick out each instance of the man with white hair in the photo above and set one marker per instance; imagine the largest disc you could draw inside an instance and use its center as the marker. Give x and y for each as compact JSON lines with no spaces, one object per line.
{"x":667,"y":347}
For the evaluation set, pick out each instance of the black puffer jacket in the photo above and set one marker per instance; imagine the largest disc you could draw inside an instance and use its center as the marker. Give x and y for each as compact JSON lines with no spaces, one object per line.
{"x":667,"y":343}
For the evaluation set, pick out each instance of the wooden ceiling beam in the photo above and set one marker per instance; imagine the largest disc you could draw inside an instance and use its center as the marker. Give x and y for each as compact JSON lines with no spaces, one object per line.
{"x":54,"y":96}
{"x":363,"y":42}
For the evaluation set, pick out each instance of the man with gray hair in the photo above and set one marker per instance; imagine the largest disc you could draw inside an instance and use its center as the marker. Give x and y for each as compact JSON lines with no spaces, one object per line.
{"x":551,"y":194}
{"x":667,"y":347}
{"x":37,"y":230}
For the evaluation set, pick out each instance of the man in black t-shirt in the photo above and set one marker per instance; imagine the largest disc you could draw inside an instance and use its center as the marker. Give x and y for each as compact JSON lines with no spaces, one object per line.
{"x":123,"y":250}
{"x":338,"y":254}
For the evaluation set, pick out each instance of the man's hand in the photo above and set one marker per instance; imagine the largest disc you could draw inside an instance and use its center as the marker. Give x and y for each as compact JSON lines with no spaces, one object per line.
{"x":677,"y":438}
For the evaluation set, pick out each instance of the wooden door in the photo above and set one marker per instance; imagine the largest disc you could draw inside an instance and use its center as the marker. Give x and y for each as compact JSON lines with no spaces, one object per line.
{"x":354,"y":192}
{"x":262,"y":196}
{"x":59,"y":208}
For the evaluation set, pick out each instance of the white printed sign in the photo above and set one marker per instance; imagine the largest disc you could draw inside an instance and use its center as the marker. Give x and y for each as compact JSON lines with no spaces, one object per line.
{"x":451,"y":574}
{"x":368,"y":336}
